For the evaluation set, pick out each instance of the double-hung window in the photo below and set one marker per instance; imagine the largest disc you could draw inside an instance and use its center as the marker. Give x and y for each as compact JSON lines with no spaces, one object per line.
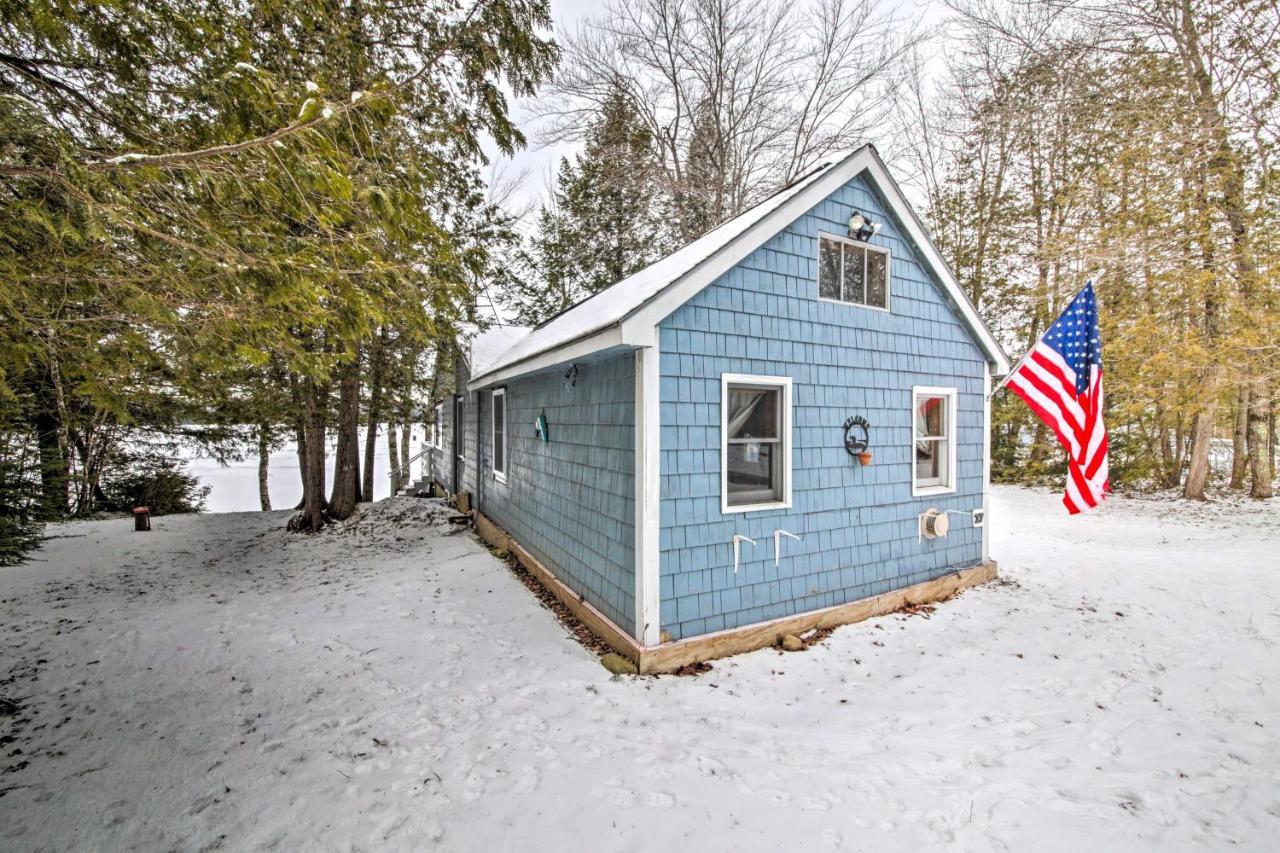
{"x":755,"y":452}
{"x":853,"y":272}
{"x":437,"y":429}
{"x":934,"y":419}
{"x":499,"y":434}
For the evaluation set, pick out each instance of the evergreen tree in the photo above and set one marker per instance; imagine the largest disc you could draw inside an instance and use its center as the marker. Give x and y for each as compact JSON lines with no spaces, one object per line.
{"x":197,"y":193}
{"x":701,"y":197}
{"x":606,"y":219}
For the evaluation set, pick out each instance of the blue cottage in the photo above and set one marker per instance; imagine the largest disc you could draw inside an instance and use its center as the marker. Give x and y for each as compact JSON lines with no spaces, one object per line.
{"x":780,"y":426}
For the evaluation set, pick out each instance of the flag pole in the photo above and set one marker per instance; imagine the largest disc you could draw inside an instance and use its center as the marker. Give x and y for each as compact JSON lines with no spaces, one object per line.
{"x":1016,"y":368}
{"x":1021,"y":361}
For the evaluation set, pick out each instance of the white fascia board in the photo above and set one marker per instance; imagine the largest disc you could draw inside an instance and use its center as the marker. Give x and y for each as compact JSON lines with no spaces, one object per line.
{"x":916,"y":230}
{"x":606,"y":338}
{"x":664,"y":303}
{"x":640,"y":324}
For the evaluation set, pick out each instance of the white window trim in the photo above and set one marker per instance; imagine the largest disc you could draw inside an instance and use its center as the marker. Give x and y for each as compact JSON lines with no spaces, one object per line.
{"x":500,"y":476}
{"x":888,"y":273}
{"x":918,"y":391}
{"x":437,"y":428}
{"x":783,"y":383}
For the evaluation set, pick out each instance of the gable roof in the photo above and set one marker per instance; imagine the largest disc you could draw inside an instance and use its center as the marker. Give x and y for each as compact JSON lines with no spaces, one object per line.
{"x":627,"y":313}
{"x":488,"y":346}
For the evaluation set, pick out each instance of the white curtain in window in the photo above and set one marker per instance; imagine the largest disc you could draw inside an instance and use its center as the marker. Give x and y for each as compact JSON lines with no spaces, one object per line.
{"x":742,"y":403}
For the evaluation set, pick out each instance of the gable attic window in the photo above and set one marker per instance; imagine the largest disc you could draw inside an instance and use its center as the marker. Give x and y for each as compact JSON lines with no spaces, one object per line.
{"x":499,"y":434}
{"x":934,"y":419}
{"x":755,"y":443}
{"x":853,"y":272}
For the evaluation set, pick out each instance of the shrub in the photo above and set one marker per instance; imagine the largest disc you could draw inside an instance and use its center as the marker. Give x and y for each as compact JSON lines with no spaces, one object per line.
{"x":163,"y":485}
{"x":20,"y":526}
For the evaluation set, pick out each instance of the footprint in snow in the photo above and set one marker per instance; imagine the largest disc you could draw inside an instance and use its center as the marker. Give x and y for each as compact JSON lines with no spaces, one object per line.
{"x":778,"y":799}
{"x":816,"y":804}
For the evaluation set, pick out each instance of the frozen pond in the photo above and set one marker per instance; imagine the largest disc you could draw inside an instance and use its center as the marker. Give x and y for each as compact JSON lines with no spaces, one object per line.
{"x":234,"y":487}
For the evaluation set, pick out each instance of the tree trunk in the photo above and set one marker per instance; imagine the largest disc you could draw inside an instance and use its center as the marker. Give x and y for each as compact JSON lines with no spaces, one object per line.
{"x":1198,"y":473}
{"x":1271,"y":442}
{"x":300,"y":439}
{"x":346,"y":458}
{"x":1239,"y":441}
{"x":370,"y":446}
{"x":299,"y":432}
{"x":264,"y":457}
{"x":1168,"y":474}
{"x":1260,"y":473}
{"x":314,"y":407}
{"x":374,"y":414}
{"x":54,"y":467}
{"x":406,"y":433}
{"x":393,"y":458}
{"x":1180,"y":454}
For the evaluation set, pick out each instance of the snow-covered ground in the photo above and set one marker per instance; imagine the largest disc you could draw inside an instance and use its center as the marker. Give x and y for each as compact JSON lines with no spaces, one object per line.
{"x":219,"y":684}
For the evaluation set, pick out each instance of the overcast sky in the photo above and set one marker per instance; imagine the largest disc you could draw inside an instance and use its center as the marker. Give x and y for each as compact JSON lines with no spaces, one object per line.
{"x":539,"y":163}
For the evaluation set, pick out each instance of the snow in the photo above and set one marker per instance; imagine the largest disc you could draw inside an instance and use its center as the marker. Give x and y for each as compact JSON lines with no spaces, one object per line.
{"x":390,"y":685}
{"x":488,"y":346}
{"x":612,"y":304}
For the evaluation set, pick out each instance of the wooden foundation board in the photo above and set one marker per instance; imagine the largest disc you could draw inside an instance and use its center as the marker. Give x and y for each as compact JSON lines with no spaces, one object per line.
{"x":669,"y":657}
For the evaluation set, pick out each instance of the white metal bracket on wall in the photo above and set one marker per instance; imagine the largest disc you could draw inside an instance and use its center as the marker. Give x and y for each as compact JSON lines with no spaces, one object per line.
{"x":777,"y":543}
{"x":738,"y":539}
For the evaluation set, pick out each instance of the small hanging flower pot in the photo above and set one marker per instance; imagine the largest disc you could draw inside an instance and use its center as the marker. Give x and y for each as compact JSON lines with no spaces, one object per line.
{"x":864,"y":458}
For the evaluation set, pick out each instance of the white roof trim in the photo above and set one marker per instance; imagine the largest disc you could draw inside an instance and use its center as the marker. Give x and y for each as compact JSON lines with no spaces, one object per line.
{"x":606,"y":338}
{"x":920,"y":236}
{"x":639,"y":302}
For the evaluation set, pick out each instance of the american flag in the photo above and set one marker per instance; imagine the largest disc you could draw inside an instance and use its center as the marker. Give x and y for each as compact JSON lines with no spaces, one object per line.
{"x":1061,"y":380}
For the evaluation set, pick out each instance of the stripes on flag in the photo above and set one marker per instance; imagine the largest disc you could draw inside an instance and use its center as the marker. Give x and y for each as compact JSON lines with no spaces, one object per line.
{"x":1061,"y":380}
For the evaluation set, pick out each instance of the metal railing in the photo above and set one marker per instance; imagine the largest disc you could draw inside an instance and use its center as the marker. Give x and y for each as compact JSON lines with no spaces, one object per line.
{"x":406,"y":466}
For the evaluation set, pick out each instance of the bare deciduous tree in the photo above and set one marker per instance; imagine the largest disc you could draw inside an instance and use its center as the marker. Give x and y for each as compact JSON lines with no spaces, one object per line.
{"x":741,"y":96}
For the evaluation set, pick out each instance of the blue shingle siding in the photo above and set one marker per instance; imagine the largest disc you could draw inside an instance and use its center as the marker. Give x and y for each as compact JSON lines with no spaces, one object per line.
{"x":859,"y":524}
{"x":570,"y":501}
{"x":469,"y":446}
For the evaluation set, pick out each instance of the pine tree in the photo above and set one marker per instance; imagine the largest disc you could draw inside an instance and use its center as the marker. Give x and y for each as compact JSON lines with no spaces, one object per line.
{"x":606,"y":220}
{"x":194,"y":194}
{"x":702,"y":195}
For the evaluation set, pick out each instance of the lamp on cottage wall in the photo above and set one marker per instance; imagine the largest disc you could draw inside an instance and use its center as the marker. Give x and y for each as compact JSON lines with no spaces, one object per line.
{"x":861,"y":227}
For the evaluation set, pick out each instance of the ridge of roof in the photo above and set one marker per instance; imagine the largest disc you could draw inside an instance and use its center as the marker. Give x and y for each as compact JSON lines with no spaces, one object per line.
{"x":793,"y":182}
{"x":615,"y":316}
{"x":614,"y":303}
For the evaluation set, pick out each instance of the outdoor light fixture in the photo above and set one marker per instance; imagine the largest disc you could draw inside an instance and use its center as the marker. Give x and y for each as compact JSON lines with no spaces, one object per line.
{"x":861,"y":227}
